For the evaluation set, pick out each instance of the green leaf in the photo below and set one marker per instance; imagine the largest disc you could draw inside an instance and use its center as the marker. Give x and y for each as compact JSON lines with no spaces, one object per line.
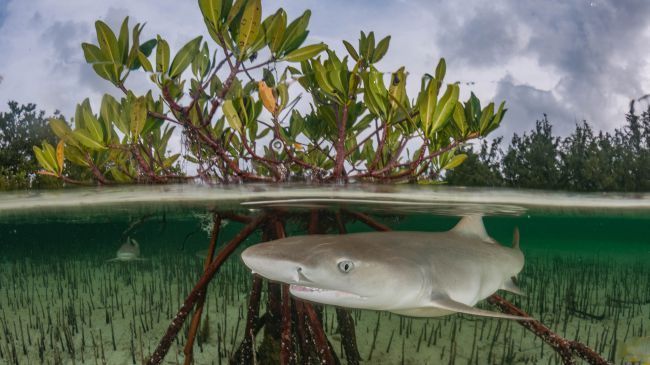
{"x":91,"y":124}
{"x":92,"y":53}
{"x":445,"y":108}
{"x":123,"y":40}
{"x":235,"y":10}
{"x":486,"y":116}
{"x":305,"y":53}
{"x":144,"y":61}
{"x":185,"y":56}
{"x":211,"y":10}
{"x":441,"y":70}
{"x":380,"y":51}
{"x":162,"y":55}
{"x":275,"y":31}
{"x":87,"y":140}
{"x":231,"y":115}
{"x":295,"y":31}
{"x":455,"y":161}
{"x":353,"y":52}
{"x":138,"y":117}
{"x":75,"y":155}
{"x":249,"y":26}
{"x":62,"y":130}
{"x":427,"y":105}
{"x":119,"y":176}
{"x":44,"y":160}
{"x":370,"y":41}
{"x":148,"y":46}
{"x":110,"y":48}
{"x":397,"y":89}
{"x":459,"y":118}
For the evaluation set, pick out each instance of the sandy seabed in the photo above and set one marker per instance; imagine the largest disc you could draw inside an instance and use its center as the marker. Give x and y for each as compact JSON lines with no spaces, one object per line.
{"x":84,"y":310}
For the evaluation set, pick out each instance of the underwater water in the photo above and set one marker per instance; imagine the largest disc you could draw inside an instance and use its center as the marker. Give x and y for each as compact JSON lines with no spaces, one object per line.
{"x":586,"y":273}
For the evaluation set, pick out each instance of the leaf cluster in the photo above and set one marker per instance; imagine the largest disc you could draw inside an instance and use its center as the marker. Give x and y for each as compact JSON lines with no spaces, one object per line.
{"x":230,"y":99}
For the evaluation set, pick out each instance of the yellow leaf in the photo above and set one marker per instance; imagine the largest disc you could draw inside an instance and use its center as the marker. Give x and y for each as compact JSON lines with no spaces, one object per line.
{"x":266,"y":94}
{"x":59,"y":156}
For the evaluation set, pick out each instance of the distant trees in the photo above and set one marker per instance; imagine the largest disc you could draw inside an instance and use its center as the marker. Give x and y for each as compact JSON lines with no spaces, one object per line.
{"x":21,"y":127}
{"x":582,"y":161}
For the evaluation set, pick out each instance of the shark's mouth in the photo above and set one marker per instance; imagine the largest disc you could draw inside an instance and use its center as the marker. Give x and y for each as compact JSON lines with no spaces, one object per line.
{"x":299,"y":290}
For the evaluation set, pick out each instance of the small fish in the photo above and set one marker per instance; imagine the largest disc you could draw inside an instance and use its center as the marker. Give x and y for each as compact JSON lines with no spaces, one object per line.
{"x":129,"y":251}
{"x":418,"y":274}
{"x":634,"y":352}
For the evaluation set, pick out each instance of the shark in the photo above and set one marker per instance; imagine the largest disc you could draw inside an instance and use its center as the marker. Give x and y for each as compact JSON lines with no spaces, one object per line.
{"x":417,"y":274}
{"x":129,"y":251}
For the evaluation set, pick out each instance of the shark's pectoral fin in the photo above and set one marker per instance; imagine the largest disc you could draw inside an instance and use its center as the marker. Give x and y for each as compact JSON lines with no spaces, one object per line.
{"x":511,"y":286}
{"x":445,"y":302}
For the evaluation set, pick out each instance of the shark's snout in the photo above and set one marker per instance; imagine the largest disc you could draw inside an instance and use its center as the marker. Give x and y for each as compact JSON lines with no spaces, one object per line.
{"x":272,"y":264}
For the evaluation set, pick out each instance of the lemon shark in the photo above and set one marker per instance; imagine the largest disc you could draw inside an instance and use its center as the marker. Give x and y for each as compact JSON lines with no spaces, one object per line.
{"x":420,"y":274}
{"x":129,"y":251}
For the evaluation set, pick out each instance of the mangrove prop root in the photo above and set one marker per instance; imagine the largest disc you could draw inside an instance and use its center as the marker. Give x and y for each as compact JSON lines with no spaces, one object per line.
{"x":318,"y":334}
{"x":303,"y":337}
{"x":285,"y":337}
{"x":244,"y":354}
{"x":177,"y":322}
{"x":344,"y":319}
{"x":367,"y":220}
{"x":285,"y":334}
{"x":348,"y":337}
{"x":565,"y":348}
{"x":188,"y":350}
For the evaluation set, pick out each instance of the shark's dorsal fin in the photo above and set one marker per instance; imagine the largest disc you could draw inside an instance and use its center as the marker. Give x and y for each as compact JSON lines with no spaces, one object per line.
{"x":472,"y":226}
{"x":443,"y":301}
{"x":134,"y":243}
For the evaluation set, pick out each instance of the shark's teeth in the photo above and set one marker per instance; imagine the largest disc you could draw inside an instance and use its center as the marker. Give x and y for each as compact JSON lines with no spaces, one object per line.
{"x":294,"y":288}
{"x":301,"y":288}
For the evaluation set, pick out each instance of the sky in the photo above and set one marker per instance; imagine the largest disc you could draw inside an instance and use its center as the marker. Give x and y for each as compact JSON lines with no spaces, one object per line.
{"x":571,"y":59}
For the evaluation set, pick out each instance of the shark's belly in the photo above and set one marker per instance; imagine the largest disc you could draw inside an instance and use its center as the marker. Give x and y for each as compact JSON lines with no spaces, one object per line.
{"x":126,"y":256}
{"x":423,"y":312}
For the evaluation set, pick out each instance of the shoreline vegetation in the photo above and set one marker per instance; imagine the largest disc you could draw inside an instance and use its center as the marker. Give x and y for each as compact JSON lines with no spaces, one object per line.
{"x":584,"y":161}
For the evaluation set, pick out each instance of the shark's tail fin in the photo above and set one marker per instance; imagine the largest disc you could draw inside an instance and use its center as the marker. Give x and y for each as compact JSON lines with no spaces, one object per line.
{"x":515,"y":239}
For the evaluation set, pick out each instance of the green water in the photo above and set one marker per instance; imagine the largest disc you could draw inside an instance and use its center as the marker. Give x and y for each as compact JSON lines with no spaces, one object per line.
{"x":586,"y":275}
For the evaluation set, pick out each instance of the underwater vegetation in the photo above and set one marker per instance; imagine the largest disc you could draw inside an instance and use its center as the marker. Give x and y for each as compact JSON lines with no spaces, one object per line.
{"x":78,"y":308}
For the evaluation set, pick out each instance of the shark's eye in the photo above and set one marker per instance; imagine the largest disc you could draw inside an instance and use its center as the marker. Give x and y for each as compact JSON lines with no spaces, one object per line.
{"x":346,"y":266}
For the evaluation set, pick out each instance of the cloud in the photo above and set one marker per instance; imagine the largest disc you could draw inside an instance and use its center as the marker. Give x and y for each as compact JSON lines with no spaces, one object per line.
{"x":485,"y":38}
{"x":527,"y":104}
{"x":571,"y":59}
{"x":3,"y":11}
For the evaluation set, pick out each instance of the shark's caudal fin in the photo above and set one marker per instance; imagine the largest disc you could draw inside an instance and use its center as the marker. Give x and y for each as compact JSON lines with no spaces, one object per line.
{"x":444,"y":302}
{"x":472,"y":226}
